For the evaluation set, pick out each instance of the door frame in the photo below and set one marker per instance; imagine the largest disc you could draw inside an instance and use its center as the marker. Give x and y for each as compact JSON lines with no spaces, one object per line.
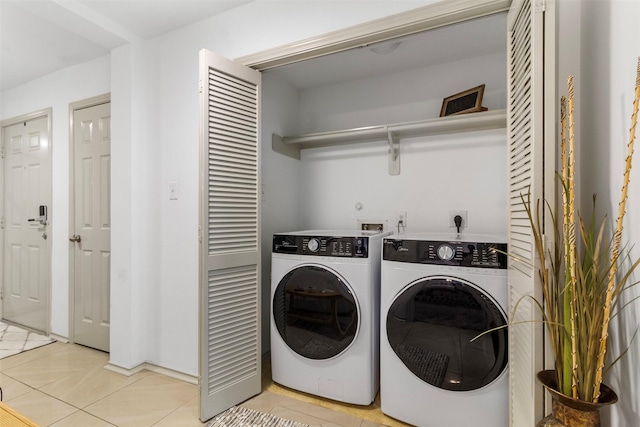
{"x":46,"y":112}
{"x":73,"y":107}
{"x":431,"y":16}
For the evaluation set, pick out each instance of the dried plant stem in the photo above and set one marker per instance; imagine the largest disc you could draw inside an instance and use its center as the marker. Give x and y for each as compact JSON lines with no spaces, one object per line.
{"x":617,"y":237}
{"x":570,"y":287}
{"x":560,"y":336}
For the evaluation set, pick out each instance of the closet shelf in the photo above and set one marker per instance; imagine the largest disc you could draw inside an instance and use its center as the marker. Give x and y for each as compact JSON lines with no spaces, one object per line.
{"x":292,"y":145}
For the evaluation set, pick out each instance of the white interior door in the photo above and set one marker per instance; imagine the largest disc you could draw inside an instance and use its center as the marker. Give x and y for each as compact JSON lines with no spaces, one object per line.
{"x":91,"y":238}
{"x":531,"y":77}
{"x":230,"y":355}
{"x":26,"y":245}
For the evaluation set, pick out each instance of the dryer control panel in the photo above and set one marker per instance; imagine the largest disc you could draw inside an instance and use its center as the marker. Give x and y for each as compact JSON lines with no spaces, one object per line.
{"x":333,"y":246}
{"x":454,"y":253}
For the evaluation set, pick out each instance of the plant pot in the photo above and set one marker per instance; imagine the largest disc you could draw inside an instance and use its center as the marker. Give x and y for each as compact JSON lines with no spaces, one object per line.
{"x":570,"y":412}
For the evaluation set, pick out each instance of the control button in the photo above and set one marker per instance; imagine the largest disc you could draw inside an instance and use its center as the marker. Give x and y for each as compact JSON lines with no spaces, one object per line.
{"x":313,"y":245}
{"x":446,"y":252}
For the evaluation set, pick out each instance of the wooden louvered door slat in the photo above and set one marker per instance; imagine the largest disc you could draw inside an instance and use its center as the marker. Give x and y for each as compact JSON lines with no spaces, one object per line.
{"x":230,"y":352}
{"x":526,"y":81}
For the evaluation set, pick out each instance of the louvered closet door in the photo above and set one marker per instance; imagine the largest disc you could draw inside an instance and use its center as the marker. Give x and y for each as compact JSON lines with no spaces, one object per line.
{"x":526,"y":174}
{"x":230,"y":356}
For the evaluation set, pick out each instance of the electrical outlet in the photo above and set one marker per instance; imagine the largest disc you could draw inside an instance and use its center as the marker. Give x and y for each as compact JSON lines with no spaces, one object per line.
{"x":401,"y":218}
{"x":452,"y":215}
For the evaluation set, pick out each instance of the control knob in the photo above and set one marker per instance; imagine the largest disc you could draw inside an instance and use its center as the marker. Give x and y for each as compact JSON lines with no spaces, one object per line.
{"x":313,"y":245}
{"x":446,"y":252}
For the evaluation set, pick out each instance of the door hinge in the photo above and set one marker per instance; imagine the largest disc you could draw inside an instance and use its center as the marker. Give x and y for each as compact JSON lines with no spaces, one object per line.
{"x":1,"y":293}
{"x":2,"y":150}
{"x":541,"y":5}
{"x":200,"y":86}
{"x":2,"y":222}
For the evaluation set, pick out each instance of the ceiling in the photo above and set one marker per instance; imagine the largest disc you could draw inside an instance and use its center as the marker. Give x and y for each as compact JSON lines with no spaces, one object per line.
{"x":472,"y":38}
{"x":39,"y":37}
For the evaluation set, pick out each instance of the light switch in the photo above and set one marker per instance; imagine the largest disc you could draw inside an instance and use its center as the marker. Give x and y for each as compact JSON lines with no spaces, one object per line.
{"x":173,"y":191}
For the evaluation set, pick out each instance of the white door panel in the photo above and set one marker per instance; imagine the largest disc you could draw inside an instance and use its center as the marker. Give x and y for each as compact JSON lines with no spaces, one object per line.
{"x":230,"y":370}
{"x":531,"y":170}
{"x":91,"y":237}
{"x":27,"y":253}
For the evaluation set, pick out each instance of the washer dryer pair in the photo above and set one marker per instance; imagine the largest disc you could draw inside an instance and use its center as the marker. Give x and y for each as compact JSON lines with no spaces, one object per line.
{"x":439,"y":293}
{"x":325,"y":295}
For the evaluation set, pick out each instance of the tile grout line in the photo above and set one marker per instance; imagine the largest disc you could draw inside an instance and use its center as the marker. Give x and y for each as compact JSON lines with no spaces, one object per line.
{"x":175,"y":410}
{"x":77,"y":409}
{"x":83,"y":411}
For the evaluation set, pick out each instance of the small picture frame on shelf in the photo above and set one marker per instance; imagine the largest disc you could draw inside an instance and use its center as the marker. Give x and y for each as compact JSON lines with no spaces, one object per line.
{"x":468,"y":101}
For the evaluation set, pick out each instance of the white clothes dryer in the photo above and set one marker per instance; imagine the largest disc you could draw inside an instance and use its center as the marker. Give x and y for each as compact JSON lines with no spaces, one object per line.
{"x":325,"y":307}
{"x":438,"y":294}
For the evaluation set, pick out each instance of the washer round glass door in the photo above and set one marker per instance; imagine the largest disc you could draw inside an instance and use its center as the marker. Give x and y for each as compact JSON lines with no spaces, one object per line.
{"x":315,"y":312}
{"x":433,"y":326}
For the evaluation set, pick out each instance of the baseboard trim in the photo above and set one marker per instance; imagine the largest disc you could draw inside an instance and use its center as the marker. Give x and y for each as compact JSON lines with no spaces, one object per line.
{"x":191,"y":379}
{"x":60,"y":338}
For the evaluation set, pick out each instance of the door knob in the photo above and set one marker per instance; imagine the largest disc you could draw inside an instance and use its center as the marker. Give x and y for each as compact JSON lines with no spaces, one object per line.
{"x":75,"y":238}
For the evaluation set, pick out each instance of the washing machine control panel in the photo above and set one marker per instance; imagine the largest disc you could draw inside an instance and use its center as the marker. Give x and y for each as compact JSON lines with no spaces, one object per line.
{"x":454,"y":253}
{"x":333,"y":246}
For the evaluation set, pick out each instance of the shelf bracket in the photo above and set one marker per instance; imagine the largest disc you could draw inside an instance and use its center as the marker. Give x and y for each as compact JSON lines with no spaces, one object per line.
{"x":394,"y":153}
{"x":279,"y":146}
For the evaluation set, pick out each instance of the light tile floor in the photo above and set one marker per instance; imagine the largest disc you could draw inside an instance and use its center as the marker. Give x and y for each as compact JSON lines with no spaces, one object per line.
{"x":66,"y":385}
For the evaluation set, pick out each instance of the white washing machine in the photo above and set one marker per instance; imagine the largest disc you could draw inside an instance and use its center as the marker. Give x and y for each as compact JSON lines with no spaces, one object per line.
{"x":438,"y":293}
{"x":325,"y":307}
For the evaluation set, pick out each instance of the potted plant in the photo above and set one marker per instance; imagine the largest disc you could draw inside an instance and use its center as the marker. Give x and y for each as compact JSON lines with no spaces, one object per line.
{"x":581,"y":278}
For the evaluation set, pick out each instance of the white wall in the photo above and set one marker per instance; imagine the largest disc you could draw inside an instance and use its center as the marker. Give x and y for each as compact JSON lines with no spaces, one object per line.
{"x":280,"y":179}
{"x":611,"y":47}
{"x":135,"y":217}
{"x":441,"y":173}
{"x":410,"y":95}
{"x":58,"y":90}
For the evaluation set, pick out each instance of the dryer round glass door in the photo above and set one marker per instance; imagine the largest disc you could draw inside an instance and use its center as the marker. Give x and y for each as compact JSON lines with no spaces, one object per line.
{"x":315,"y":312}
{"x":431,"y":325}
